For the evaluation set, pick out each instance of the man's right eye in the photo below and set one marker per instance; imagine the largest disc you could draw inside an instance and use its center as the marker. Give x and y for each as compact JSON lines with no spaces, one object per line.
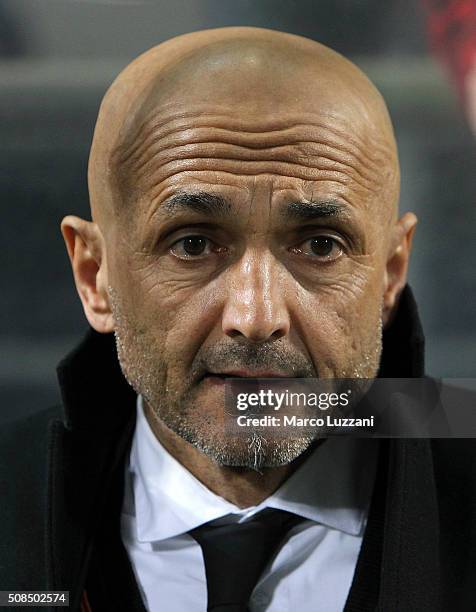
{"x":191,"y":247}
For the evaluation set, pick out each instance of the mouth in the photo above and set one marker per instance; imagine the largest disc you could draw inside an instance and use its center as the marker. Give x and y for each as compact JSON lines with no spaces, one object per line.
{"x":218,"y":378}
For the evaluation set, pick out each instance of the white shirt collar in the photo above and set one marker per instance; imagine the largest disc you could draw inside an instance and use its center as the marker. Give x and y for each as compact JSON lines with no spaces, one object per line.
{"x":332,"y":487}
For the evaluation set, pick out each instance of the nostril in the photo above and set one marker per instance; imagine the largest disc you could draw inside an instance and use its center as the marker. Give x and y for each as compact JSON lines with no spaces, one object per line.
{"x":233,"y":333}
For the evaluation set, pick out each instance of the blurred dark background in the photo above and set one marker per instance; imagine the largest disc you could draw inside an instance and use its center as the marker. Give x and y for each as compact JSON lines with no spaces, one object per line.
{"x":56,"y":61}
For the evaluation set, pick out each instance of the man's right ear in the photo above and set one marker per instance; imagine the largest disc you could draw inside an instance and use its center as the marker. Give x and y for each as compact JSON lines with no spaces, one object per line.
{"x":87,"y":253}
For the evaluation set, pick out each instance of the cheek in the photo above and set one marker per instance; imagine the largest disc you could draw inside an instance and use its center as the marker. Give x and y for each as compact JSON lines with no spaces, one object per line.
{"x":342,"y":318}
{"x":176,"y":313}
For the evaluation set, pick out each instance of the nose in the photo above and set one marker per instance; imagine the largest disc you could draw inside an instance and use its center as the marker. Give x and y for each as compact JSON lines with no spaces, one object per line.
{"x":255,"y":307}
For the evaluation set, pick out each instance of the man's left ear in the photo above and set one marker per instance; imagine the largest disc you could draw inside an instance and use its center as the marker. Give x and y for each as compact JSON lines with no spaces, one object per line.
{"x":397,"y":264}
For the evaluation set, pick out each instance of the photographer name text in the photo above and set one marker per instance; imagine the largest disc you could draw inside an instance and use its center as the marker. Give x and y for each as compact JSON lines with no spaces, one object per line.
{"x":295,"y":421}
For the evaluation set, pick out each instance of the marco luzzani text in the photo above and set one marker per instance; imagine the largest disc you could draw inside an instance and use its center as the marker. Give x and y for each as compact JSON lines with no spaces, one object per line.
{"x":285,"y":400}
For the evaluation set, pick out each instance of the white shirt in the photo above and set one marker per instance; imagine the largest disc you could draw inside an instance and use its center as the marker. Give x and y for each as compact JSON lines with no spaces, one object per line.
{"x":314,"y":566}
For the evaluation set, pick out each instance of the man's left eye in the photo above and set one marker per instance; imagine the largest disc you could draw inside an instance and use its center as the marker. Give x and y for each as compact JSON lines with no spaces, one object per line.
{"x":322,"y":247}
{"x":192,"y":246}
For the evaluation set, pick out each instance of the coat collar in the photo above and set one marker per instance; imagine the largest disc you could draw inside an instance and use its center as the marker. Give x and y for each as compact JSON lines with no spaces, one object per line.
{"x":95,"y":433}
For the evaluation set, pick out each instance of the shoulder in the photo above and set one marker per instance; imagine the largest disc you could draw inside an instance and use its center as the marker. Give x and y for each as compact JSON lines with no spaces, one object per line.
{"x":454,"y":469}
{"x":454,"y":459}
{"x":20,"y":436}
{"x":24,"y":489}
{"x":24,"y":456}
{"x":454,"y":462}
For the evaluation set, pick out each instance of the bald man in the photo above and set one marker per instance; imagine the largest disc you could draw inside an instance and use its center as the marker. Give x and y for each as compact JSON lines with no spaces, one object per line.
{"x":244,"y":188}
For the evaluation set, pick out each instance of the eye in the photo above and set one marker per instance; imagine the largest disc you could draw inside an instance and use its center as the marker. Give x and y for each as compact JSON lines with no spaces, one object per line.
{"x":192,"y":247}
{"x":325,"y":248}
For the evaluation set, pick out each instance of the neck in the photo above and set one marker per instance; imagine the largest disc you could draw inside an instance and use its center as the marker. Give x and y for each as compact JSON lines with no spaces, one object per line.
{"x":241,"y":486}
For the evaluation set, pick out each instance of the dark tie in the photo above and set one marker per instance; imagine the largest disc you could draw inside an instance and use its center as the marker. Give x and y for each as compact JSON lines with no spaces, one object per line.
{"x":235,"y":556}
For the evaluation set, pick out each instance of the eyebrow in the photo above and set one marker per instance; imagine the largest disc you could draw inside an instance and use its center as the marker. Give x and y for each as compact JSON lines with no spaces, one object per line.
{"x":200,"y":202}
{"x":213,"y":205}
{"x":305,"y":211}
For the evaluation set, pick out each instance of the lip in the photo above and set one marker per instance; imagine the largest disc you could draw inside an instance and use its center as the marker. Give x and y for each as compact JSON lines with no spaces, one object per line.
{"x":215,"y":380}
{"x":247,"y":374}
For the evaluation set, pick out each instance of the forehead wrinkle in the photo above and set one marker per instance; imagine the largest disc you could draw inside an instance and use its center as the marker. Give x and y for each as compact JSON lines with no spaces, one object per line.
{"x":339,"y":193}
{"x":323,"y":170}
{"x":160,"y":125}
{"x":304,"y":164}
{"x":307,"y":153}
{"x":365,"y":164}
{"x":352,"y":155}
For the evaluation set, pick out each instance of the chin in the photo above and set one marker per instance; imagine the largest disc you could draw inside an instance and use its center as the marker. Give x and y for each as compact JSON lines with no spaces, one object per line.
{"x":251,"y":452}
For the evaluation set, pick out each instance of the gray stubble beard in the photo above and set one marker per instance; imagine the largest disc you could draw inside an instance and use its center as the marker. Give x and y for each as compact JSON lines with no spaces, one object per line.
{"x":253,"y":452}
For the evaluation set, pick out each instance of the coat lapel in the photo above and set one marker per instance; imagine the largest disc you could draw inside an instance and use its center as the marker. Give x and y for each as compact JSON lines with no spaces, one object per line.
{"x":84,"y":449}
{"x":410,"y":571}
{"x":398,"y":567}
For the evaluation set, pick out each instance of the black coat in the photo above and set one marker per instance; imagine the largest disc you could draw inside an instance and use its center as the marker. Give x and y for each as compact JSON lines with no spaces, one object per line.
{"x":57,"y":470}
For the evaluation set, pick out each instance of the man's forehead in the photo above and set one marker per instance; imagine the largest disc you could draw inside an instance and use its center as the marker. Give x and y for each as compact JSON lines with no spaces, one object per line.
{"x":320,"y":153}
{"x":254,"y":84}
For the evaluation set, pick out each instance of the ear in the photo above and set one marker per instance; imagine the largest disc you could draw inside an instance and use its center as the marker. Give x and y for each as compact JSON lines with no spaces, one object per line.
{"x":397,"y":264}
{"x":87,"y":253}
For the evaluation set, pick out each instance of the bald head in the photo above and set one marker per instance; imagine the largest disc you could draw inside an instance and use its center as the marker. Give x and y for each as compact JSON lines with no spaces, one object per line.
{"x":257,"y":90}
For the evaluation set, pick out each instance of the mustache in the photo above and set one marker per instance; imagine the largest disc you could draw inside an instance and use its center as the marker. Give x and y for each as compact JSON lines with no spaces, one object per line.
{"x":253,"y":357}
